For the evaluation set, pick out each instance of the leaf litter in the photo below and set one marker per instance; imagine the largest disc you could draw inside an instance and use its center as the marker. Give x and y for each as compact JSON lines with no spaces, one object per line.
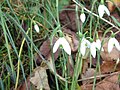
{"x":40,"y":79}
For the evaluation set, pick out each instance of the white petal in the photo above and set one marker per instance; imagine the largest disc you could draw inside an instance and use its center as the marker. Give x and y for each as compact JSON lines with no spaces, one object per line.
{"x":36,"y":28}
{"x":98,"y":44}
{"x":117,"y":45}
{"x":88,"y":43}
{"x":118,"y":60}
{"x":93,"y":49}
{"x":83,"y":48}
{"x":106,"y":10}
{"x":101,"y":10}
{"x":65,"y":45}
{"x":56,"y":45}
{"x":110,"y":44}
{"x":82,"y":17}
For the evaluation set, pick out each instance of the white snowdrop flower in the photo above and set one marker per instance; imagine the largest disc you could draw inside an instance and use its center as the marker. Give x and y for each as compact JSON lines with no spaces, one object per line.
{"x":82,"y":17}
{"x":93,"y":49}
{"x":113,"y":42}
{"x":62,"y":41}
{"x":36,"y":28}
{"x":95,"y":45}
{"x":118,"y":60}
{"x":98,"y":45}
{"x":103,"y":9}
{"x":83,"y":48}
{"x":84,"y":44}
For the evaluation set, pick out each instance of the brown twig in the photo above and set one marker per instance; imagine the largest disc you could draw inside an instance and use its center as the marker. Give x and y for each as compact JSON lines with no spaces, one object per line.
{"x":99,"y":76}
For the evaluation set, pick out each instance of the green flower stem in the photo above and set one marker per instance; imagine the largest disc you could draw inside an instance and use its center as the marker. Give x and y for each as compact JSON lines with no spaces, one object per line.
{"x":18,"y":69}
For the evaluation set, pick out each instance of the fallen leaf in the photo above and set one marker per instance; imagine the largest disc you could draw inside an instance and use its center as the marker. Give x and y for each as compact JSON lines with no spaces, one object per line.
{"x":109,"y":83}
{"x":72,"y":39}
{"x":40,"y":79}
{"x":89,"y":73}
{"x":87,"y":87}
{"x":51,"y":67}
{"x":107,"y":66}
{"x":46,"y":51}
{"x":68,"y":18}
{"x":23,"y":85}
{"x":111,"y":5}
{"x":70,"y":66}
{"x":85,"y":66}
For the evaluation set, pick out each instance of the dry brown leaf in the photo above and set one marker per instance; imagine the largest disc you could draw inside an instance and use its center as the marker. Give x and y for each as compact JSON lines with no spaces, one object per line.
{"x":23,"y":86}
{"x":72,"y":39}
{"x":70,"y":66}
{"x":51,"y":67}
{"x":107,"y":66}
{"x":46,"y":51}
{"x":111,"y":5}
{"x":109,"y":83}
{"x":40,"y":79}
{"x":87,"y":87}
{"x":89,"y":73}
{"x":108,"y":86}
{"x":85,"y":66}
{"x":68,"y":18}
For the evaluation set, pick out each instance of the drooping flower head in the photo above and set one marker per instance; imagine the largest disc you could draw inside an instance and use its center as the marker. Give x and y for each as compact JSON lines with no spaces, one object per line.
{"x":64,"y":43}
{"x":98,"y":45}
{"x":84,"y":44}
{"x":92,"y":46}
{"x":103,"y":9}
{"x":82,"y":17}
{"x":36,"y":28}
{"x":93,"y":49}
{"x":113,"y":42}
